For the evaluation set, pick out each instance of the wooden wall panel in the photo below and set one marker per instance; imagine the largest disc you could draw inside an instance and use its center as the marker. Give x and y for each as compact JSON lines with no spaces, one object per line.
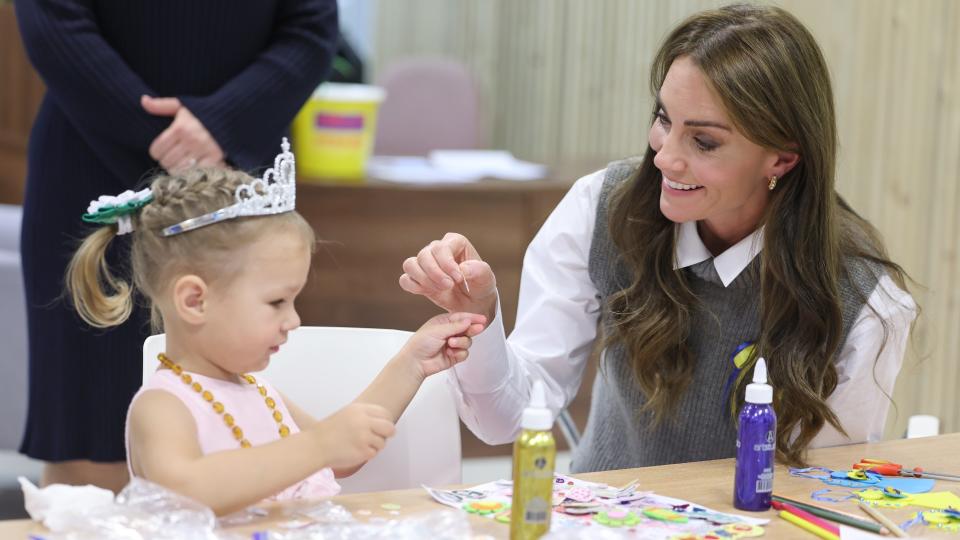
{"x":20,"y":93}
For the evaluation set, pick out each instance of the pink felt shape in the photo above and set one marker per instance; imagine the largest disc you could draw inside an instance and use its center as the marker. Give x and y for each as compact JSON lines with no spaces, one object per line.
{"x":580,"y":494}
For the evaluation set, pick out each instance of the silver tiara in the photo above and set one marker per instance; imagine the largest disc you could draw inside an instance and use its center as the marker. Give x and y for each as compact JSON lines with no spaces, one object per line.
{"x":273,"y":193}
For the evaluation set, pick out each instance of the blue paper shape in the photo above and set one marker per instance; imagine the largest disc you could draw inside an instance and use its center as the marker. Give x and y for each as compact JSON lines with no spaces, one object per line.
{"x":839,"y":478}
{"x":906,"y":485}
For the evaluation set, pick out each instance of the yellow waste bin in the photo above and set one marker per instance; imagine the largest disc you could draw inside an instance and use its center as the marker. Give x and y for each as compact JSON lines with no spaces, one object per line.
{"x":334,"y":131}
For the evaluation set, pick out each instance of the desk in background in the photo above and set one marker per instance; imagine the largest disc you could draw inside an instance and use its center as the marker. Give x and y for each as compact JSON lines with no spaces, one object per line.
{"x":372,"y":227}
{"x":708,"y":483}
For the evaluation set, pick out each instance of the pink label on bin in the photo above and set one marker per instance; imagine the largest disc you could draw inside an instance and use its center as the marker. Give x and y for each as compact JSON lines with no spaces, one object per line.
{"x":338,"y":121}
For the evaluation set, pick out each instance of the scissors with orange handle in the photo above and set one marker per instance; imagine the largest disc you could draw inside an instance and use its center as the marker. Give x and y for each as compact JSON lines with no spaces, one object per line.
{"x":889,"y":468}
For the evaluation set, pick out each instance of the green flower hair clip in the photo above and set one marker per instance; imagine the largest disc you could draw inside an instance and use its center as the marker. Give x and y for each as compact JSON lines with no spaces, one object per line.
{"x":110,"y":209}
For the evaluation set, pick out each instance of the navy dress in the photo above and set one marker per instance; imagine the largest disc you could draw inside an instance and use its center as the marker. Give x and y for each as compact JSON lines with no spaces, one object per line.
{"x":242,"y":67}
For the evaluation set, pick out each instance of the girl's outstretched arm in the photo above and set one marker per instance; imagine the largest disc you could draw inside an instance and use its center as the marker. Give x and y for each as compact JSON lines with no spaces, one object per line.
{"x":439,"y":344}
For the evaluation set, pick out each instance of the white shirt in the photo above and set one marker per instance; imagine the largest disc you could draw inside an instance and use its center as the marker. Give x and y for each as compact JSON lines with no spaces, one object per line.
{"x":557,"y":320}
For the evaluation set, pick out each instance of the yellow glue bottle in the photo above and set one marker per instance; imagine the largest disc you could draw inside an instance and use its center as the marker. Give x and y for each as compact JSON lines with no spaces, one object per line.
{"x":533,"y":457}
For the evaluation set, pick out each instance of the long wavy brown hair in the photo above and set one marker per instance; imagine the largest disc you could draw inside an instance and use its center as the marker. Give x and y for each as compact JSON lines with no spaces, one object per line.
{"x":771,"y":77}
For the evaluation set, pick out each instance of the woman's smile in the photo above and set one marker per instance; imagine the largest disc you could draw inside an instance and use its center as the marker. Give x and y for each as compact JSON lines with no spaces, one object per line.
{"x":678,"y":187}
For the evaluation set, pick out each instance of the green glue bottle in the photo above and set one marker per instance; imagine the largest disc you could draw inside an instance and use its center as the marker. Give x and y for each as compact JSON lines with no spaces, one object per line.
{"x":534,"y":452}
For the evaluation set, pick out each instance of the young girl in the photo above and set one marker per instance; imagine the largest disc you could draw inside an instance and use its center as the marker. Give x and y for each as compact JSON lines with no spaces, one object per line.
{"x":221,"y":258}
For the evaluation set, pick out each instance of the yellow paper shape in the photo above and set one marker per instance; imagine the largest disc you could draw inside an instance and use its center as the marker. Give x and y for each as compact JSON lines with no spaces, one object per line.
{"x":938,"y":520}
{"x":937,"y":500}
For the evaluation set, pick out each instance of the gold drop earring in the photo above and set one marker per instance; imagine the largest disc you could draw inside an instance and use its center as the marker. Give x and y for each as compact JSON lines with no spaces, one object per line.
{"x":773,"y":182}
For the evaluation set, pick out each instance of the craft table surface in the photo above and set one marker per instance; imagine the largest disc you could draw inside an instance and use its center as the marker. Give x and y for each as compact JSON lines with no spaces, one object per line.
{"x":707,"y":483}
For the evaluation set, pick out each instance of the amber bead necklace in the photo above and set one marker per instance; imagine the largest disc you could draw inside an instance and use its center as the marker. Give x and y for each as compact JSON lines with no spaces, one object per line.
{"x":228,"y":418}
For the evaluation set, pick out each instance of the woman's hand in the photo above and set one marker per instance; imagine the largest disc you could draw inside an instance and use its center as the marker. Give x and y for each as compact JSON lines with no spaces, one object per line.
{"x":452,"y":275}
{"x":442,"y":342}
{"x":186,"y":142}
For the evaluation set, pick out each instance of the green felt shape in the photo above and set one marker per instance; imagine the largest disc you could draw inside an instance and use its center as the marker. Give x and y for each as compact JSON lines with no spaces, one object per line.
{"x":617,"y":518}
{"x":108,"y":215}
{"x":662,"y":514}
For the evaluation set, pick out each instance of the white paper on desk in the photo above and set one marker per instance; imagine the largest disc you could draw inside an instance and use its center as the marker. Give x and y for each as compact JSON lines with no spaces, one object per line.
{"x":677,"y":502}
{"x":853,"y":533}
{"x":500,"y":491}
{"x":488,"y":163}
{"x":453,"y":167}
{"x":416,"y":170}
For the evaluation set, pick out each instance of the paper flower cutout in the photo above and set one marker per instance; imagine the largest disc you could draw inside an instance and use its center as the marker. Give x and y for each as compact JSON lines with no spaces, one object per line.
{"x":617,"y":517}
{"x":580,"y":494}
{"x":484,"y":506}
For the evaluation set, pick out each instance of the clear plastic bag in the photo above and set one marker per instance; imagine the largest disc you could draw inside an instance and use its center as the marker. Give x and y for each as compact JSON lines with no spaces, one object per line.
{"x":440,"y":525}
{"x":142,"y":510}
{"x":294,"y":513}
{"x":591,"y":533}
{"x":319,"y":512}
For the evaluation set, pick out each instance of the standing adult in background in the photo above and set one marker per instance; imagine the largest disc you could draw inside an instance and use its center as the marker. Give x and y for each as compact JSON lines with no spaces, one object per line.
{"x":726,"y":241}
{"x":131,"y":85}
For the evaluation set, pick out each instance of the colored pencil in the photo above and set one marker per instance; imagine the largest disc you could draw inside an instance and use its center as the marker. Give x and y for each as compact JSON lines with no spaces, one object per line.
{"x":883,"y":520}
{"x":825,"y":525}
{"x":835,"y":515}
{"x":807,"y":526}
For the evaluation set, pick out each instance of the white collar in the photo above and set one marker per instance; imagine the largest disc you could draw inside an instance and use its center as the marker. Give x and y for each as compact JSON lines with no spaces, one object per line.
{"x":729,"y":264}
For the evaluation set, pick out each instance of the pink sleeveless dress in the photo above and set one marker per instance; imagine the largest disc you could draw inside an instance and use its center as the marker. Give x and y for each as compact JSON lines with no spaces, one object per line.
{"x":247,"y":406}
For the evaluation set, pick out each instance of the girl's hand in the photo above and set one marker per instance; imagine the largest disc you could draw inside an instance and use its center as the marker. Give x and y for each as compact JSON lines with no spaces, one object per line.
{"x":452,"y":275}
{"x":353,"y":435}
{"x":442,"y":342}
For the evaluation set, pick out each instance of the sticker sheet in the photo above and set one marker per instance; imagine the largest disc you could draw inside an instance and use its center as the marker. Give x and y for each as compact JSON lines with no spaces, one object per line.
{"x":578,"y":503}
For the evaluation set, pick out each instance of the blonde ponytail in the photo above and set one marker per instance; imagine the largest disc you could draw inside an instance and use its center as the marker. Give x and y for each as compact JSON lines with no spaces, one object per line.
{"x":87,"y":277}
{"x":104,"y":300}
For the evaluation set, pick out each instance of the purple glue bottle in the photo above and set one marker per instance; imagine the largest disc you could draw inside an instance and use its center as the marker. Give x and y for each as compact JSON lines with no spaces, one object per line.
{"x":756,"y":444}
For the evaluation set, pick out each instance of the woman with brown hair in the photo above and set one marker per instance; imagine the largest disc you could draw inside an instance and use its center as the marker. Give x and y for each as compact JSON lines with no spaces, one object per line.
{"x":725,"y":242}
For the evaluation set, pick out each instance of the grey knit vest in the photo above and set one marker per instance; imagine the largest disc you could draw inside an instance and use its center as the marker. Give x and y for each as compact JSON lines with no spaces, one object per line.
{"x":616,"y":435}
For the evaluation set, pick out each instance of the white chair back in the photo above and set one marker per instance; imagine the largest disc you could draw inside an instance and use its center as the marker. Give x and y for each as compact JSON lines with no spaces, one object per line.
{"x":321,"y":369}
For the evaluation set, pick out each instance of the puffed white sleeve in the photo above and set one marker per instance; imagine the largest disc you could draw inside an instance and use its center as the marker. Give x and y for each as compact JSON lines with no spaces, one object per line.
{"x":556,"y":325}
{"x":868,"y":365}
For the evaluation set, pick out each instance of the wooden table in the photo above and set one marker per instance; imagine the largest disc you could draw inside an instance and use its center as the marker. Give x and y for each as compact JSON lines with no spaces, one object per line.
{"x":708,"y":483}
